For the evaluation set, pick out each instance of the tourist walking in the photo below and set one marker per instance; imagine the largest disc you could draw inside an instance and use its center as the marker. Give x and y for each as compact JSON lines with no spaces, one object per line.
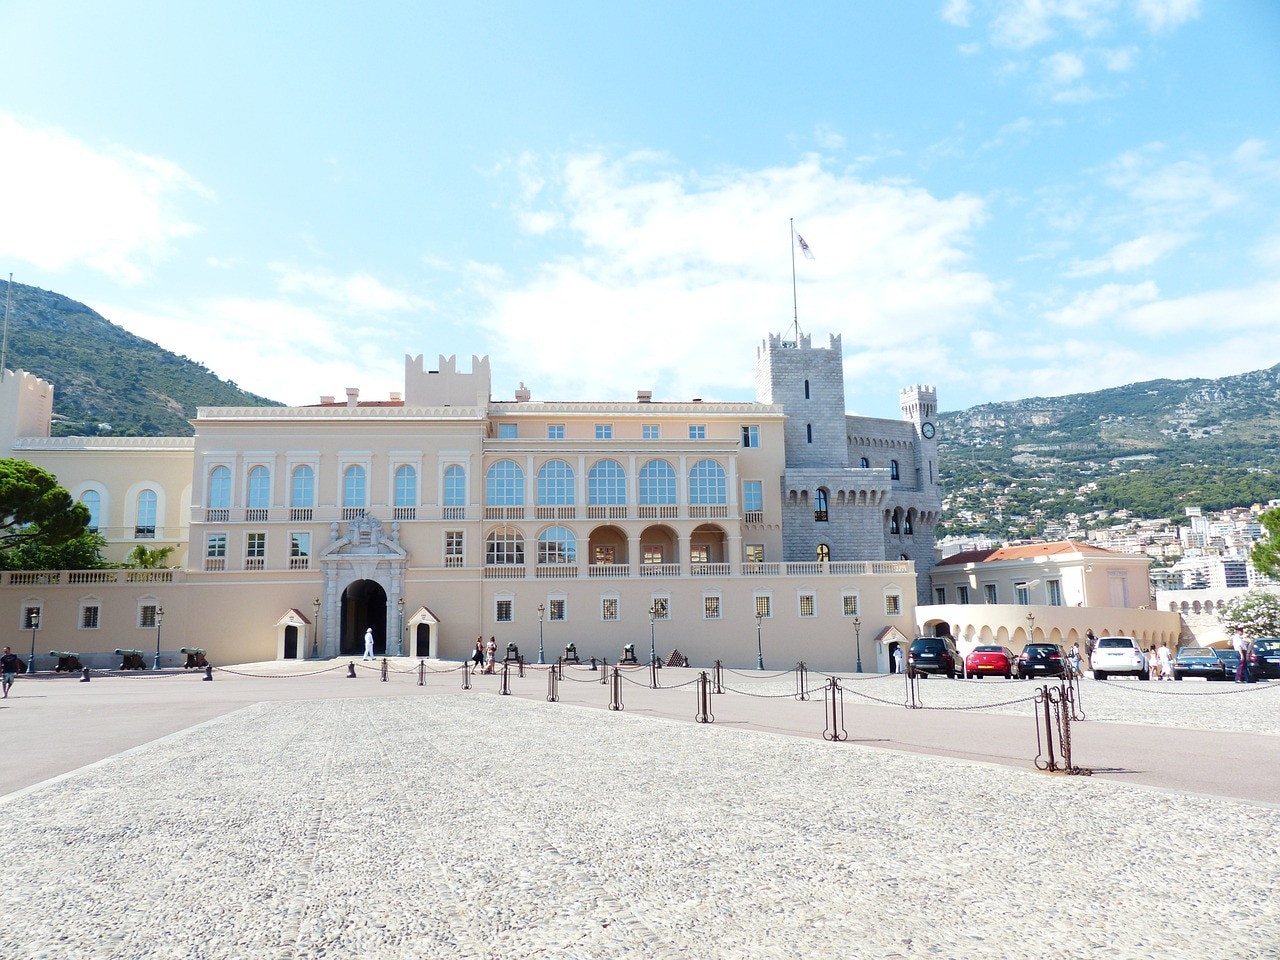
{"x":1166,"y":662}
{"x":1073,"y":660}
{"x":368,"y":644}
{"x":492,"y":665}
{"x":477,"y":655}
{"x":1241,"y":646}
{"x":9,"y":668}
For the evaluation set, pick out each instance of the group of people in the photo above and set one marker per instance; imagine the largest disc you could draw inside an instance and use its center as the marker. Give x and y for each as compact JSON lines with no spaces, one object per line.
{"x":485,"y":657}
{"x":1160,"y":662}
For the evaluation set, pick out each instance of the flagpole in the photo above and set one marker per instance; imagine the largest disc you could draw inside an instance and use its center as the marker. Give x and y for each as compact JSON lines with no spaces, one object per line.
{"x":8,"y":299}
{"x":795,"y":308}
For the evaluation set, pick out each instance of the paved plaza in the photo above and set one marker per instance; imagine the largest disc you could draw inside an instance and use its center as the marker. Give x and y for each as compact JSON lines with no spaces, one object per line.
{"x":285,"y":811}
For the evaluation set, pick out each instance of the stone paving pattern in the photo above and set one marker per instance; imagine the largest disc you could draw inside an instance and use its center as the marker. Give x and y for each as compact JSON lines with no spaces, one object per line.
{"x":472,"y":825}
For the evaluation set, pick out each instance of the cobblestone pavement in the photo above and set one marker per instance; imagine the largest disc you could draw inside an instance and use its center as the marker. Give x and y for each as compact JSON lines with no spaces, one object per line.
{"x":465,"y":825}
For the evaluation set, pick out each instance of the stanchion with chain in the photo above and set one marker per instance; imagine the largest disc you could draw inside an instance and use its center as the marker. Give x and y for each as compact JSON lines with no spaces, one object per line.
{"x":553,"y":686}
{"x":521,"y":664}
{"x":351,"y":670}
{"x":559,"y":667}
{"x":718,"y":679}
{"x":505,"y":688}
{"x":653,"y":674}
{"x":1071,"y":694}
{"x":384,"y":669}
{"x":802,"y":681}
{"x":422,"y":673}
{"x":615,"y":689}
{"x":1044,"y":732}
{"x":913,"y":701}
{"x":1056,"y":719}
{"x":704,"y":714}
{"x":466,"y":676}
{"x":833,"y":705}
{"x":604,"y":670}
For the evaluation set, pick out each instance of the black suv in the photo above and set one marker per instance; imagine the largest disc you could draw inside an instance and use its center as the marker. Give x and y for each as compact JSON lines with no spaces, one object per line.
{"x":1040,"y":660}
{"x":933,"y":655}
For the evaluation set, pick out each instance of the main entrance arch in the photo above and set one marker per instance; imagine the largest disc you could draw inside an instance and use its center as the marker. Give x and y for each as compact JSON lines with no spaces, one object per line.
{"x":364,"y":607}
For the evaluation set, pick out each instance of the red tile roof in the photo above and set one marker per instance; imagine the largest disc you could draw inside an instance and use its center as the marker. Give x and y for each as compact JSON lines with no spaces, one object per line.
{"x":1027,"y":551}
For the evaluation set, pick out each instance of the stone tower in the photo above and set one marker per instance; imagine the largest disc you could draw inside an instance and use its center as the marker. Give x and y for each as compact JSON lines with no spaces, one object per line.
{"x":809,"y":383}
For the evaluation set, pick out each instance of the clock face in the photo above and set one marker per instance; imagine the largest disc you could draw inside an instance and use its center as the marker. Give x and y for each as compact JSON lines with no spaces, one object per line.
{"x":927,"y":430}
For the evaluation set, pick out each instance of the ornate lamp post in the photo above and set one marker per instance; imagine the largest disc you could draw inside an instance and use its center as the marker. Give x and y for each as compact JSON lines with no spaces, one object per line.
{"x":653,"y":649}
{"x":541,"y":611}
{"x":857,"y":639}
{"x":35,"y":624}
{"x":159,"y":620}
{"x":759,"y":647}
{"x":400,"y":635}
{"x":315,"y":629}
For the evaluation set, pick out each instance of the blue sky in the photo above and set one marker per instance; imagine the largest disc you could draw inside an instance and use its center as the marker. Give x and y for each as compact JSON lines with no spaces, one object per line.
{"x":1005,"y":198}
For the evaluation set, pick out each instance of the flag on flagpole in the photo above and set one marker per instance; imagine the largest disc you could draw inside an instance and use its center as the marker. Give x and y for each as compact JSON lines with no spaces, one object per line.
{"x":804,"y":247}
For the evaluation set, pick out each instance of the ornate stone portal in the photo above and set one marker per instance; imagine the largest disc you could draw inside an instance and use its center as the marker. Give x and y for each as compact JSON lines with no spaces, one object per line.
{"x":365,"y":553}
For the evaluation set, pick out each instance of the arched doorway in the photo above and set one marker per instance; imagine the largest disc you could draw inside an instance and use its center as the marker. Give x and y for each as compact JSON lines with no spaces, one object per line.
{"x":364,"y":606}
{"x":422,"y":640}
{"x":291,"y":642}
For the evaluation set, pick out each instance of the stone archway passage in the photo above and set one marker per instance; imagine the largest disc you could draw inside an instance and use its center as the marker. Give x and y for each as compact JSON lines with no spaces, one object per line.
{"x":364,"y":606}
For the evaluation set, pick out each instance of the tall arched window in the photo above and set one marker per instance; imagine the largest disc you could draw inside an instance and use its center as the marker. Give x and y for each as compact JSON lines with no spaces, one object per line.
{"x":219,"y":488}
{"x":302,"y":488}
{"x":707,"y":484}
{"x":455,"y":486}
{"x":406,"y":486}
{"x":144,"y":526}
{"x":893,"y":469}
{"x":808,"y":432}
{"x":607,"y":484}
{"x":92,"y":499}
{"x":555,"y":484}
{"x":504,"y":546}
{"x":824,"y":553}
{"x":907,"y":526}
{"x":657,"y":483}
{"x":820,"y":505}
{"x":864,"y":463}
{"x":557,"y":545}
{"x":893,"y":522}
{"x":353,"y":487}
{"x":504,"y":485}
{"x":259,"y":488}
{"x":806,"y":389}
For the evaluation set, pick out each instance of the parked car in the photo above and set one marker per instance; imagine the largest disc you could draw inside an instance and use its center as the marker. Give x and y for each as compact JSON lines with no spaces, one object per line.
{"x":1200,"y":662}
{"x":933,"y":655}
{"x":990,"y":660}
{"x":1230,"y":662}
{"x":1040,"y":660}
{"x":1264,"y":659}
{"x":1113,"y":655}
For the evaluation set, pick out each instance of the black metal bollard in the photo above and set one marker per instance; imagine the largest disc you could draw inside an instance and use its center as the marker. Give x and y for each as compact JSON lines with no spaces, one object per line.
{"x":553,"y":686}
{"x":351,"y":670}
{"x":208,"y":672}
{"x":84,"y":674}
{"x":422,"y":673}
{"x":802,"y":681}
{"x":653,"y":674}
{"x":833,"y":706}
{"x":505,"y":687}
{"x":604,"y":670}
{"x":384,"y":669}
{"x":520,"y":663}
{"x":615,"y":689}
{"x":593,"y":664}
{"x":717,"y":678}
{"x":704,"y":714}
{"x":466,"y":675}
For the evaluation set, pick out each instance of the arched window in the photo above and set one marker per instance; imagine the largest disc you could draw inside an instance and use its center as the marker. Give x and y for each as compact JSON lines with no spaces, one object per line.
{"x":808,"y":432}
{"x":557,"y":545}
{"x":406,"y":486}
{"x":893,"y":523}
{"x":144,"y":526}
{"x":555,"y":484}
{"x":707,"y":484}
{"x":302,"y":488}
{"x":353,"y":487}
{"x":607,"y":484}
{"x":893,"y":469}
{"x":657,"y":483}
{"x":92,"y":499}
{"x":806,"y":389}
{"x":504,"y":485}
{"x":455,"y":486}
{"x":504,"y":546}
{"x":219,"y":488}
{"x":907,"y":525}
{"x":259,"y":488}
{"x":820,"y":505}
{"x":824,"y":553}
{"x":864,"y":463}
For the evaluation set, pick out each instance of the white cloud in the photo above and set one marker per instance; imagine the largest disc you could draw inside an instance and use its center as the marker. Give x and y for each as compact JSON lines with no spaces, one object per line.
{"x":1063,"y":68}
{"x":1092,"y":307}
{"x":357,"y":292}
{"x":109,"y":208}
{"x":1190,"y":185}
{"x":1250,"y":309}
{"x":1131,"y":255}
{"x":667,"y":267}
{"x":1166,"y":14}
{"x":957,"y":12}
{"x":827,"y":138}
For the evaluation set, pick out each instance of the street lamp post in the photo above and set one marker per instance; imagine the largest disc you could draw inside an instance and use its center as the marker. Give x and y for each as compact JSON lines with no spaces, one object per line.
{"x":400,"y":635}
{"x":857,"y":635}
{"x":159,"y":620}
{"x":653,"y":649}
{"x":759,"y":646}
{"x":541,"y":611}
{"x":315,"y":629}
{"x":35,"y":623}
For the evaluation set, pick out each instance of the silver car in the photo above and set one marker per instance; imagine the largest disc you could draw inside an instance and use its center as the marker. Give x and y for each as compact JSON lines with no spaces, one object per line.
{"x":1119,"y":655}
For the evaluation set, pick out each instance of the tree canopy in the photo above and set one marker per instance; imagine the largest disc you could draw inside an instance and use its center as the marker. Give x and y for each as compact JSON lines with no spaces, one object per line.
{"x":1266,"y":552}
{"x":1257,"y":613}
{"x":41,"y":526}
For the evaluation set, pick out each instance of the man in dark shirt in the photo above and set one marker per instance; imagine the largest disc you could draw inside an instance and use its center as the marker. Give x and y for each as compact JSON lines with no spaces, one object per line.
{"x":9,"y":668}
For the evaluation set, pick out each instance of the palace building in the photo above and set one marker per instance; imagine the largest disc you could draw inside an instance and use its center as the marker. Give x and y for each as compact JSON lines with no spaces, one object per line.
{"x":768,"y":532}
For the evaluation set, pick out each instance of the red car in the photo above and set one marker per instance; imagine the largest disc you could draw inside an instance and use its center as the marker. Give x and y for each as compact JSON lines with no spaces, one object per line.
{"x":985,"y":660}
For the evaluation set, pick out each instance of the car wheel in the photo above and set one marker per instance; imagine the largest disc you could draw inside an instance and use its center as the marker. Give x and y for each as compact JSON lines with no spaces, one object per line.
{"x":1099,"y":675}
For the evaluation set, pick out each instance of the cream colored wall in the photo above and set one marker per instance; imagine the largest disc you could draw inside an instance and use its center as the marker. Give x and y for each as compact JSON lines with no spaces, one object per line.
{"x":1085,"y":579}
{"x":1006,"y":624}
